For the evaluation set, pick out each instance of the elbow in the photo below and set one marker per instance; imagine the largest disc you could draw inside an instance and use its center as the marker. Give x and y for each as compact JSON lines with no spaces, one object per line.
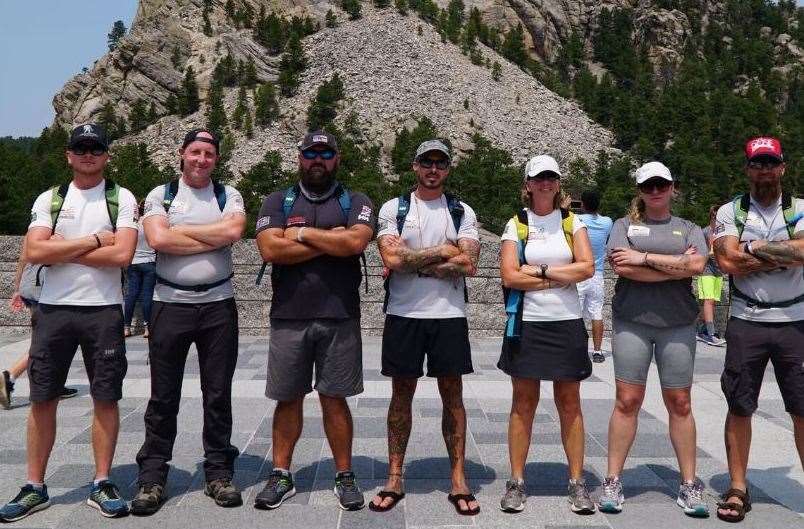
{"x":505,"y":279}
{"x":156,"y":241}
{"x":588,"y":270}
{"x":235,"y":233}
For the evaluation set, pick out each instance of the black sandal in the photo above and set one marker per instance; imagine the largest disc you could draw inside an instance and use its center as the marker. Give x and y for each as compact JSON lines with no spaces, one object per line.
{"x":456,"y":498}
{"x":732,"y":506}
{"x":383,"y":495}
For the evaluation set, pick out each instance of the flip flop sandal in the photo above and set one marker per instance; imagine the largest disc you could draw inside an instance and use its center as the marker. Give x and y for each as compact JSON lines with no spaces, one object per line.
{"x":384,"y":494}
{"x":454,"y":499}
{"x":732,"y":506}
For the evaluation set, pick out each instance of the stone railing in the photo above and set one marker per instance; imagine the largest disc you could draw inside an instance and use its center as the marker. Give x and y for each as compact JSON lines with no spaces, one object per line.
{"x":485,"y":309}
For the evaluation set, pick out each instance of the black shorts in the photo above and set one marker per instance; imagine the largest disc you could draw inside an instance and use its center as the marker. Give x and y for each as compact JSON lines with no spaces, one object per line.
{"x":550,"y":350}
{"x":749,"y":346}
{"x":445,"y":342}
{"x":58,"y":330}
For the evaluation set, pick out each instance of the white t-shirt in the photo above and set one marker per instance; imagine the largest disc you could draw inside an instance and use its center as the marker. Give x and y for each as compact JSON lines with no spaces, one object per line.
{"x":194,"y":206}
{"x":547,"y":245}
{"x":777,"y":285}
{"x":83,"y":213}
{"x":143,"y":253}
{"x":427,"y":224}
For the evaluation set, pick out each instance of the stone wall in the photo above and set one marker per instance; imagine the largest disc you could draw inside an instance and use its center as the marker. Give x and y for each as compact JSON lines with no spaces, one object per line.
{"x":485,"y":310}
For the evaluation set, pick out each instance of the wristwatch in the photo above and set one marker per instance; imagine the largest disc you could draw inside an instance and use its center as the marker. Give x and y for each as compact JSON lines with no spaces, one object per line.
{"x":748,"y":248}
{"x":544,"y":271}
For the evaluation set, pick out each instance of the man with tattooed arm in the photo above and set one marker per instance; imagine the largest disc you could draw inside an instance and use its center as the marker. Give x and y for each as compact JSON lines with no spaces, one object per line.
{"x":428,"y":240}
{"x":759,"y":240}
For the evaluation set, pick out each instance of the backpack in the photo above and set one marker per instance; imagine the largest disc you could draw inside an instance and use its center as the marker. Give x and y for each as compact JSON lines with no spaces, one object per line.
{"x":58,"y":193}
{"x":741,"y":205}
{"x":456,"y":211}
{"x":345,"y":202}
{"x":515,"y":299}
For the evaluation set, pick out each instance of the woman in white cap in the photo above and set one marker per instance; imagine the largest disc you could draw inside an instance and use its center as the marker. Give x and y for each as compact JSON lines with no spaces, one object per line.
{"x":545,"y":252}
{"x":654,"y":311}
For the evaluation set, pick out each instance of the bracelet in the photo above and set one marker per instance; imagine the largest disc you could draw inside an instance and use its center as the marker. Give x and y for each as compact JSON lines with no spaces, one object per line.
{"x":97,"y":239}
{"x":299,"y":237}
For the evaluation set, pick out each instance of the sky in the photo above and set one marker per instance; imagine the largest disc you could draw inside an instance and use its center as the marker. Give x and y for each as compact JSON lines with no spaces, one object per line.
{"x":43,"y":43}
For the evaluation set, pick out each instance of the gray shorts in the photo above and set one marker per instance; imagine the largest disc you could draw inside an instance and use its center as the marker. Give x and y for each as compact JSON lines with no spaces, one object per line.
{"x":333,"y":347}
{"x":635,"y":344}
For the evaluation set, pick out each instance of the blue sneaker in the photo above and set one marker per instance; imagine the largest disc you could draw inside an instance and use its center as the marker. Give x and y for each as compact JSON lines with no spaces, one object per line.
{"x":106,"y":498}
{"x":28,"y":501}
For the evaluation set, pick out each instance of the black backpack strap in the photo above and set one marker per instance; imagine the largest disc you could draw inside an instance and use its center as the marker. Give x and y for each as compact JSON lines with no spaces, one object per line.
{"x":456,"y":210}
{"x":220,"y":194}
{"x":402,"y":210}
{"x":171,"y":190}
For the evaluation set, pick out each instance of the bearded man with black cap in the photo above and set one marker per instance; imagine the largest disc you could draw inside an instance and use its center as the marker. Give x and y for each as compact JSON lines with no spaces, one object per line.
{"x":192,"y":223}
{"x":85,"y":231}
{"x":313,"y":234}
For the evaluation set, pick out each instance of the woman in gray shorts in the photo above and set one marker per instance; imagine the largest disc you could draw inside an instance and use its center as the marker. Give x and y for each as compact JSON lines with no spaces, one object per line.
{"x":654,"y":311}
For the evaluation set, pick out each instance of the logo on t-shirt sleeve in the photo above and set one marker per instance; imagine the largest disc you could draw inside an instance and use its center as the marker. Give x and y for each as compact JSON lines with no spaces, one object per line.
{"x":365,"y":214}
{"x":263,"y":221}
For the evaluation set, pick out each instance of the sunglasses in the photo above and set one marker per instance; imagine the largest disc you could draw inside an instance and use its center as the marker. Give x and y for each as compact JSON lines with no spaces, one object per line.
{"x":658,"y":184}
{"x":427,"y":163}
{"x":764,"y":164}
{"x":545,"y":176}
{"x":327,"y":154}
{"x":94,"y":150}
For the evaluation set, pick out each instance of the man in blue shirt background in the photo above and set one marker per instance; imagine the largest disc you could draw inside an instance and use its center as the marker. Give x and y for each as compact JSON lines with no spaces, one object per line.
{"x":591,"y":291}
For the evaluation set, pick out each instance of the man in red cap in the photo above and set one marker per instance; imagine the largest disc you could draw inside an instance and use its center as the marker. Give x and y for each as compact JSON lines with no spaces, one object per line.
{"x":759,"y":240}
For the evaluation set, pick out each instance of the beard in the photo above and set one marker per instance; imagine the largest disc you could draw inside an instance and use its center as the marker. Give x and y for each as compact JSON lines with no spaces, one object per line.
{"x":316,"y":178}
{"x":767,"y":190}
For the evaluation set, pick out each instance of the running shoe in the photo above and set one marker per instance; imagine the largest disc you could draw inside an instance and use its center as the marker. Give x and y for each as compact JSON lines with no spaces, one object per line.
{"x":514,"y":498}
{"x":690,"y":498}
{"x":350,"y":497}
{"x":278,"y":489}
{"x":105,"y":497}
{"x":598,"y":358}
{"x":68,"y":393}
{"x":223,"y":492}
{"x":27,"y":502}
{"x":707,"y":338}
{"x":578,"y":497}
{"x":6,"y":389}
{"x":611,"y":496}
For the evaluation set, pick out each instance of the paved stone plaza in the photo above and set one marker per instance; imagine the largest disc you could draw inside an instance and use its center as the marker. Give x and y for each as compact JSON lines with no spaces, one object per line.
{"x":651,"y":478}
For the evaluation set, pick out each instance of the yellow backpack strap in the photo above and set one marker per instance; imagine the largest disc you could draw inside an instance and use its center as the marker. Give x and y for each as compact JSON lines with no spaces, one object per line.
{"x":567,"y":221}
{"x":521,"y":228}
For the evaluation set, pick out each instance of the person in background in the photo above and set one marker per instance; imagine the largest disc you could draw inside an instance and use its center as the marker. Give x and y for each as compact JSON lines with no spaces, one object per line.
{"x":592,"y":291}
{"x":141,"y":278}
{"x":710,"y":286}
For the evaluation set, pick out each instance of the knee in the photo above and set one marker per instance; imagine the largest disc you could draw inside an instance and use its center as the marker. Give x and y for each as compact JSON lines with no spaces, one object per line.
{"x":628,"y":405}
{"x":569,"y":405}
{"x":679,"y":406}
{"x":524,"y":404}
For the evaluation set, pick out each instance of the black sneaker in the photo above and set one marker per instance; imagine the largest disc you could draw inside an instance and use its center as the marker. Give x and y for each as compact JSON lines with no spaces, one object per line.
{"x":6,"y":389}
{"x":68,"y":393}
{"x":223,"y":492}
{"x":28,"y":501}
{"x":350,"y":497}
{"x":278,"y":489}
{"x":148,"y":500}
{"x":598,"y":358}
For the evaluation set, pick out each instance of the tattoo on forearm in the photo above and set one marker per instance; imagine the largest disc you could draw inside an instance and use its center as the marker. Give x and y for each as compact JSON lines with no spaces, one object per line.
{"x":470,"y":248}
{"x":413,"y":260}
{"x":779,"y":253}
{"x":747,"y":263}
{"x":447,"y":270}
{"x":680,"y":263}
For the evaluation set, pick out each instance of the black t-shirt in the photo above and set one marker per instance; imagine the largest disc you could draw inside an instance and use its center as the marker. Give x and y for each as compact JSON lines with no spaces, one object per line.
{"x":325,"y":286}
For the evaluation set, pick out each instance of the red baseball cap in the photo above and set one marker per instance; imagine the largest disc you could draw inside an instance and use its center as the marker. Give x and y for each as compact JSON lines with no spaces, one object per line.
{"x":763,"y":146}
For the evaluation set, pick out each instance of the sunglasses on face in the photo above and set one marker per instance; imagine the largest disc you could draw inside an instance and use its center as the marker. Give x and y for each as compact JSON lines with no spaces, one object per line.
{"x":327,"y":154}
{"x":658,"y":184}
{"x":94,"y":150}
{"x":541,"y":177}
{"x":427,"y":163}
{"x":764,"y":164}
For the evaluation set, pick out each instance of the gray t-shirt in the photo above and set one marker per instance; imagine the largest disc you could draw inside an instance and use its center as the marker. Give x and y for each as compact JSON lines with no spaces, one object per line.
{"x":143,"y":253}
{"x":28,"y":288}
{"x":711,"y":269}
{"x":777,"y":285}
{"x":194,"y":206}
{"x":665,"y":303}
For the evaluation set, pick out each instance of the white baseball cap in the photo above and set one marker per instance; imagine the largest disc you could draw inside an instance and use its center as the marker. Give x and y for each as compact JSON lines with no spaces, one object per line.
{"x":651,"y":170}
{"x":540,"y":164}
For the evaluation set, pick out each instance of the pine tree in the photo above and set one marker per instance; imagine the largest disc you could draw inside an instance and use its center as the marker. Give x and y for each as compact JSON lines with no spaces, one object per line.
{"x":513,"y":47}
{"x":250,"y":78}
{"x":175,"y":57}
{"x":153,"y":115}
{"x":108,"y":120}
{"x":207,"y":27}
{"x":171,"y":104}
{"x":382,"y":4}
{"x":402,"y":7}
{"x":248,"y":125}
{"x":216,"y":114}
{"x":241,"y":109}
{"x":138,"y":116}
{"x":352,"y":7}
{"x":455,"y":16}
{"x":230,"y":10}
{"x":291,"y":66}
{"x":496,"y":71}
{"x":188,"y":100}
{"x":331,"y":19}
{"x":266,"y":108}
{"x":324,"y":108}
{"x":118,"y":31}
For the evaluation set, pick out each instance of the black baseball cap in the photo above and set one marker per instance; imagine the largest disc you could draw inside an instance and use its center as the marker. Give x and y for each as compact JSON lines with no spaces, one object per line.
{"x":318,"y":137}
{"x":192,"y":136}
{"x":90,"y":133}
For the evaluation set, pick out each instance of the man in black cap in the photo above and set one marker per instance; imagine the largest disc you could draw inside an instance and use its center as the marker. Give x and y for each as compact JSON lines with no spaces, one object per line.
{"x":192,"y":223}
{"x":84,"y":231}
{"x":314,"y":233}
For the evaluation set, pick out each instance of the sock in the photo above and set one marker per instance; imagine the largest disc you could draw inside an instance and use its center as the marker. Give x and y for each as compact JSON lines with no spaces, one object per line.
{"x":598,"y":351}
{"x":97,"y":481}
{"x":11,"y":377}
{"x":283,"y":470}
{"x":710,"y":328}
{"x":37,"y":486}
